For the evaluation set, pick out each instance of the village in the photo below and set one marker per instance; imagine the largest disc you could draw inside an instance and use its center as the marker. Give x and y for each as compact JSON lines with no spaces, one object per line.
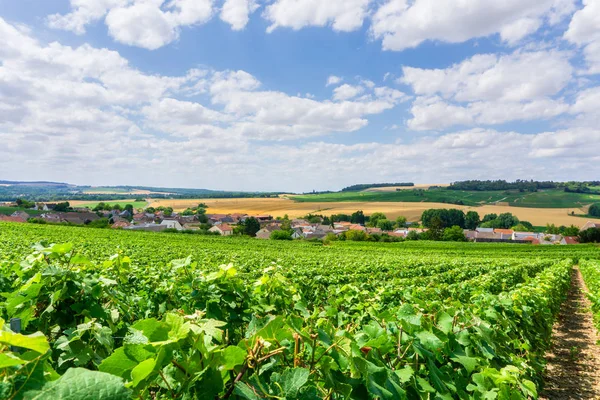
{"x":229,"y":225}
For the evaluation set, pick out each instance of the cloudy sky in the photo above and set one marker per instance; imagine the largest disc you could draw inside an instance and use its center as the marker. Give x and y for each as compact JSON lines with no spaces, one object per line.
{"x":298,"y":95}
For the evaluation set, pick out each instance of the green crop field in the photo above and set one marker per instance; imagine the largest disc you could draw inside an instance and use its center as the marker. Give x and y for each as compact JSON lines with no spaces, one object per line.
{"x":122,"y":203}
{"x":161,"y":316}
{"x":10,"y":210}
{"x":541,"y":199}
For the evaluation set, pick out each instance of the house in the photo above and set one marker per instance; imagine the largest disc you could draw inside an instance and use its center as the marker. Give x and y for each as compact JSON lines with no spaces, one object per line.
{"x":263,"y":218}
{"x":77,"y":218}
{"x":570,"y":240}
{"x":51,"y":217}
{"x":147,"y":227}
{"x":485,"y":230}
{"x":297,"y":233}
{"x":6,"y":218}
{"x":357,"y":227}
{"x":222,"y":229}
{"x":505,"y":234}
{"x":374,"y":231}
{"x":238,"y":217}
{"x":524,"y":235}
{"x":316,"y":234}
{"x":21,"y":214}
{"x":120,"y":224}
{"x":470,"y":235}
{"x":172,"y":224}
{"x":590,"y":225}
{"x":191,"y":227}
{"x":265,"y":233}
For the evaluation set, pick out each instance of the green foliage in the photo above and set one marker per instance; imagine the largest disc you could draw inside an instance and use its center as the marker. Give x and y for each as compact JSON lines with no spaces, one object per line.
{"x":590,"y":270}
{"x":435,"y":320}
{"x":454,"y":234}
{"x":442,"y":218}
{"x":375,"y":217}
{"x":251,"y":226}
{"x":401,"y":221}
{"x":385,"y":224}
{"x":281,"y":235}
{"x":472,"y":220}
{"x":591,"y":235}
{"x":594,"y":210}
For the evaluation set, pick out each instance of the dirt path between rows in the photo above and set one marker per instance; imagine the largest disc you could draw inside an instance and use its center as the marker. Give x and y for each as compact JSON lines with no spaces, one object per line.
{"x":573,"y":370}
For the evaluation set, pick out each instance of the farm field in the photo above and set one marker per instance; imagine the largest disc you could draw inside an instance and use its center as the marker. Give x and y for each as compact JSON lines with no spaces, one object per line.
{"x":550,"y":198}
{"x":10,"y":210}
{"x":157,"y":316}
{"x":412,"y":211}
{"x":122,"y":203}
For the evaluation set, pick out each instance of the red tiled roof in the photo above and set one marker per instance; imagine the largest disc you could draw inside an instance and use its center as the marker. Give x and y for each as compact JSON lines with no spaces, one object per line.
{"x":571,"y":240}
{"x":6,"y":218}
{"x":506,"y":231}
{"x":225,"y":227}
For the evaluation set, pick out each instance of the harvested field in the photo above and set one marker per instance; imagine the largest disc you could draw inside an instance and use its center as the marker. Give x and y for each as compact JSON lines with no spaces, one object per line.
{"x":412,"y":211}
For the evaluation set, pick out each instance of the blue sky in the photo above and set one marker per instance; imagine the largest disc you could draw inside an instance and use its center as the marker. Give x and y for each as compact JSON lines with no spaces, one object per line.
{"x":298,"y":94}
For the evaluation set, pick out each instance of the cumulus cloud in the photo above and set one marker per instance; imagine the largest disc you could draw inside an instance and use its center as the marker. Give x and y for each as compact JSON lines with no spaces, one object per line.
{"x":341,"y":15}
{"x":149,"y":24}
{"x":489,"y":89}
{"x":584,"y":30}
{"x":237,"y":13}
{"x":334,"y":80}
{"x":401,"y":24}
{"x":346,"y":92}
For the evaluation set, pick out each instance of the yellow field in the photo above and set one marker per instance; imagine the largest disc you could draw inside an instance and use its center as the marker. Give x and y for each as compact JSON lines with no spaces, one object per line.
{"x":281,"y":206}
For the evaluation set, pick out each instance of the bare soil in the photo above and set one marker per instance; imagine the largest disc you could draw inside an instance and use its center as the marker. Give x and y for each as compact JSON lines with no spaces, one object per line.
{"x":573,"y":370}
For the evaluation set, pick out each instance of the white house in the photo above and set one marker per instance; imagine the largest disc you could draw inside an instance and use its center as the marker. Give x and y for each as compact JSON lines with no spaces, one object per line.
{"x":172,"y":224}
{"x":590,"y":225}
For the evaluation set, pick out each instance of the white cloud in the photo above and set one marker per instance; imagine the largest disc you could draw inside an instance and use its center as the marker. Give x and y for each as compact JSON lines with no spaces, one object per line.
{"x":347,"y":92}
{"x":84,"y":12}
{"x":149,"y":24}
{"x":402,"y":24}
{"x":237,"y":12}
{"x":333,"y":80}
{"x":584,"y":30}
{"x":489,"y":89}
{"x":514,"y":77}
{"x":342,"y":15}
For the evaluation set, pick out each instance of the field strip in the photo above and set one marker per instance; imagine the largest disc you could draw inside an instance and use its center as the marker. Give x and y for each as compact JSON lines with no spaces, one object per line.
{"x":278,"y":207}
{"x":573,"y":369}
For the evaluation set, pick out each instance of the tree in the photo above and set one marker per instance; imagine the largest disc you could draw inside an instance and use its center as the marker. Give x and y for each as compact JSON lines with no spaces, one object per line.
{"x":489,"y":217}
{"x":62,"y":207}
{"x":472,"y":220}
{"x":150,"y":210}
{"x":129,"y":207}
{"x":436,"y":229}
{"x":594,"y":210}
{"x":375,"y":217}
{"x":412,"y":235}
{"x":99,"y":207}
{"x":358,"y":218}
{"x":281,"y":235}
{"x":506,"y":220}
{"x":401,"y":221}
{"x":251,"y":226}
{"x":591,"y":235}
{"x":570,"y":231}
{"x":385,"y":224}
{"x":454,"y":234}
{"x":520,"y":228}
{"x":356,"y":236}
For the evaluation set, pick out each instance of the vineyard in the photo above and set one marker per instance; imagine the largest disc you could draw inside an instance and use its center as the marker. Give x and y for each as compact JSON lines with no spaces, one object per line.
{"x":119,"y":315}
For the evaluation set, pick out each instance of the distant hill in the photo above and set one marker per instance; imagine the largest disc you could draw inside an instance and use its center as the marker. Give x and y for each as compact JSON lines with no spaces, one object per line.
{"x":34,"y":183}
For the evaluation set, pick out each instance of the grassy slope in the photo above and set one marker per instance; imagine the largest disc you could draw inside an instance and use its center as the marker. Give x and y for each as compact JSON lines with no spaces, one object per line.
{"x":10,"y":210}
{"x":545,"y":199}
{"x":122,"y":203}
